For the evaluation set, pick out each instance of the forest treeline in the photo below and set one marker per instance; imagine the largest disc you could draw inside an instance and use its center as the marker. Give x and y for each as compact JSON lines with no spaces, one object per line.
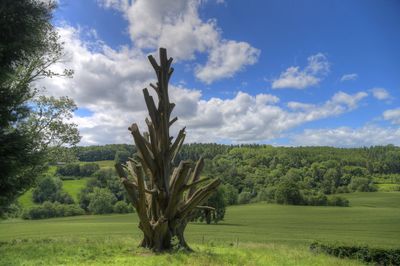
{"x":249,"y":173}
{"x":287,"y":175}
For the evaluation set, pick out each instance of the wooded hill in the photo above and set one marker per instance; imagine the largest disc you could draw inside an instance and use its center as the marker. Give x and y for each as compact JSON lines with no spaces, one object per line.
{"x":288,"y":175}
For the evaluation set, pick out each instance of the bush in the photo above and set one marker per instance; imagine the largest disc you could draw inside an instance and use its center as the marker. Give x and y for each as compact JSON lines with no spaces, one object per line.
{"x":318,"y":199}
{"x":50,"y":189}
{"x":69,"y":177}
{"x":342,"y":189}
{"x":244,"y":198}
{"x":65,"y":198}
{"x":101,"y":201}
{"x":88,"y":169}
{"x":231,"y":194}
{"x":49,"y":210}
{"x":74,"y":170}
{"x":13,"y":210}
{"x":84,"y":198}
{"x":376,"y":256}
{"x":288,"y":192}
{"x":122,"y":207}
{"x":267,"y":194}
{"x":47,"y":189}
{"x":338,"y":201}
{"x":362,"y":184}
{"x":71,"y":169}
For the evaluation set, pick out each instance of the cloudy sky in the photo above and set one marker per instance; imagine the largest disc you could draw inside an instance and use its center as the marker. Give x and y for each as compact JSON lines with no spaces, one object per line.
{"x":281,"y":72}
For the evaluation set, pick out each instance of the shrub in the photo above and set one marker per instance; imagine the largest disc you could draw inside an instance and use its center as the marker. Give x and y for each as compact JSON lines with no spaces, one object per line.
{"x":288,"y":192}
{"x":244,"y":198}
{"x":267,"y":194}
{"x":84,"y":198}
{"x":65,"y":198}
{"x":376,"y":256}
{"x":231,"y":194}
{"x":101,"y":201}
{"x":14,"y":210}
{"x":338,"y":201}
{"x":50,"y":189}
{"x":318,"y":199}
{"x":49,"y":210}
{"x":47,"y":189}
{"x":122,"y":207}
{"x":362,"y":184}
{"x":342,"y":189}
{"x":88,"y":169}
{"x":69,"y":177}
{"x":71,"y":169}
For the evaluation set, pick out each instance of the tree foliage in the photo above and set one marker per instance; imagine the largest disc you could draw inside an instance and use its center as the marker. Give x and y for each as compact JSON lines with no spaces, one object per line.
{"x":29,"y":45}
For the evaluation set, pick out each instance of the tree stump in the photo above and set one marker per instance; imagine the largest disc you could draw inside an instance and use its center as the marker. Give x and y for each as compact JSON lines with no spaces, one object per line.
{"x":164,"y":196}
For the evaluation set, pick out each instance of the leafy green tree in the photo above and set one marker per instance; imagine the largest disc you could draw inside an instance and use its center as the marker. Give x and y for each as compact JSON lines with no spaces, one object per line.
{"x":88,"y":169}
{"x":121,"y":157}
{"x":101,"y":201}
{"x":50,"y":189}
{"x":244,"y":197}
{"x":28,"y":47}
{"x":47,"y":189}
{"x":122,"y":207}
{"x":288,"y":192}
{"x":362,"y":184}
{"x":216,"y":201}
{"x":231,"y":194}
{"x":71,"y":169}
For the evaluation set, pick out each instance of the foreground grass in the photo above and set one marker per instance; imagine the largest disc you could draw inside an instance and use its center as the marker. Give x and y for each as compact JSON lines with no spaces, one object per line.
{"x":122,"y":251}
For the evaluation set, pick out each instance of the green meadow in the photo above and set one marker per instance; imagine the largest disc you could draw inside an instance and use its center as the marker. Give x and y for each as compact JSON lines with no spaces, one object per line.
{"x":261,"y":234}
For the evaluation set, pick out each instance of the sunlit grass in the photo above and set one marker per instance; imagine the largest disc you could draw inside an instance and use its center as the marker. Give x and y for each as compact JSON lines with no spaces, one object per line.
{"x":123,"y":251}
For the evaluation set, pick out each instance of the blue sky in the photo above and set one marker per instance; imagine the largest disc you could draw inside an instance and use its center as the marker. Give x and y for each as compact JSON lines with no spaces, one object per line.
{"x":277,"y":72}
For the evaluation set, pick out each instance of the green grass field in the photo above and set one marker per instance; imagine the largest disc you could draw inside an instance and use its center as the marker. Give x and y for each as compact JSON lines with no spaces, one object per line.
{"x":257,"y":233}
{"x":388,"y":187}
{"x":122,"y":251}
{"x":105,"y":164}
{"x":72,"y":187}
{"x":373,"y":219}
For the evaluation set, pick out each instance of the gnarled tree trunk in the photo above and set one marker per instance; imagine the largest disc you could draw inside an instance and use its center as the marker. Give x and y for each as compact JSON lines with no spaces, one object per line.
{"x":163,"y":196}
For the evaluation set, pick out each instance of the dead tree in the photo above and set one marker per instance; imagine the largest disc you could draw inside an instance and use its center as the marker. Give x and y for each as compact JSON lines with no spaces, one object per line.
{"x":164,"y":196}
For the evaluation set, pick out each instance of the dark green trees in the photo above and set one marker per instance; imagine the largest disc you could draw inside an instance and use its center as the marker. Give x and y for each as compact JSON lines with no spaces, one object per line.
{"x":164,"y":196}
{"x":28,"y":46}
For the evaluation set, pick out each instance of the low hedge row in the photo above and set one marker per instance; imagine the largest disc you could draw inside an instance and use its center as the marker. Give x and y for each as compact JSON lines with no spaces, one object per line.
{"x":377,"y":256}
{"x":50,"y":209}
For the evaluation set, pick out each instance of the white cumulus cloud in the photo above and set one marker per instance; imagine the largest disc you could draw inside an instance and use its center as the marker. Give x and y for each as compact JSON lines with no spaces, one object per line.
{"x":177,"y":26}
{"x":347,"y":77}
{"x":296,"y":78}
{"x":109,"y":83}
{"x":227,"y":59}
{"x":392,"y":115}
{"x":348,"y":137}
{"x":381,"y":94}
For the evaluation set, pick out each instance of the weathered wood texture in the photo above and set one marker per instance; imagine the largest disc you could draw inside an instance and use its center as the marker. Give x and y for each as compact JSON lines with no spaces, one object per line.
{"x":163,"y":196}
